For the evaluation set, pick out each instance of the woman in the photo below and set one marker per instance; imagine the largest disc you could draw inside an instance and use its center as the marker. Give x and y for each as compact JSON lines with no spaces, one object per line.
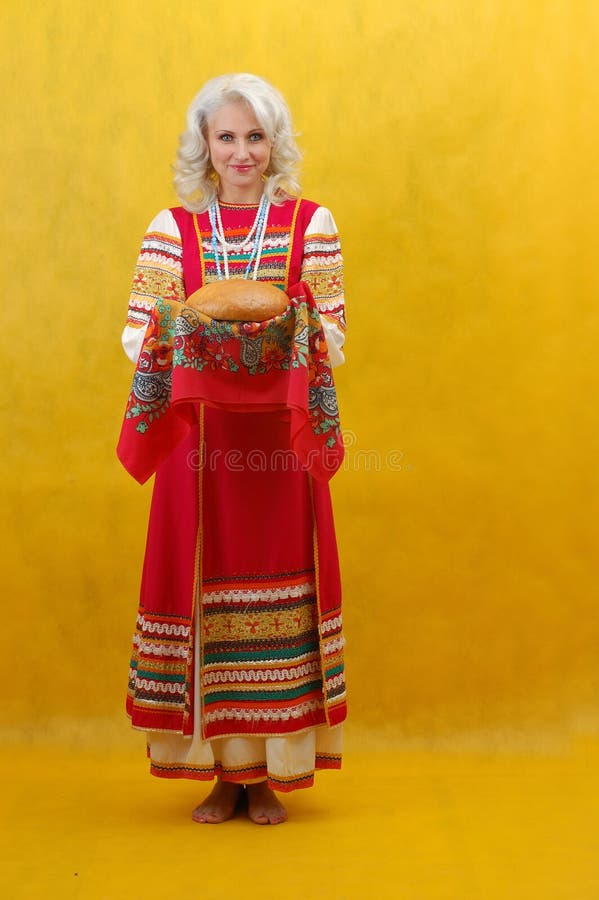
{"x":237,"y":667}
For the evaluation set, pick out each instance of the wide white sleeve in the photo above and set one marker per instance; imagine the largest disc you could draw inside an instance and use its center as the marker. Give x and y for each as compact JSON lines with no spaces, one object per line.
{"x":158,"y":273}
{"x":322,"y":269}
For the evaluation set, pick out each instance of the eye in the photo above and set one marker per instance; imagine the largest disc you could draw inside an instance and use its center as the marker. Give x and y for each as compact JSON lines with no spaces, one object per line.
{"x":225,"y":137}
{"x":256,"y":136}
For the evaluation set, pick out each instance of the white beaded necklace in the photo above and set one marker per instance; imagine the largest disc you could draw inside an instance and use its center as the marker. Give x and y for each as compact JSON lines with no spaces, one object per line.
{"x":218,"y":238}
{"x":220,"y":232}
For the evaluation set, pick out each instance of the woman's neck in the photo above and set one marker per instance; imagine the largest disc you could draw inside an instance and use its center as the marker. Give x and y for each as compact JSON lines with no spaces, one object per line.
{"x":243,"y":198}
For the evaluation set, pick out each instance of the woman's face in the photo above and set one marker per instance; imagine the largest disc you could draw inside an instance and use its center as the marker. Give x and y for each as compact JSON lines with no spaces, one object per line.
{"x":239,"y":152}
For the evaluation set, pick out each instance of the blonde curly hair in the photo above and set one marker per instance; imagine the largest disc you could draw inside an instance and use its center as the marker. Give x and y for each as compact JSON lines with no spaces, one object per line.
{"x":196,"y":182}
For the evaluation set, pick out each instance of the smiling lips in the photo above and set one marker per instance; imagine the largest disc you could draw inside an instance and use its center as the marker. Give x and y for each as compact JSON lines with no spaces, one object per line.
{"x":242,"y":168}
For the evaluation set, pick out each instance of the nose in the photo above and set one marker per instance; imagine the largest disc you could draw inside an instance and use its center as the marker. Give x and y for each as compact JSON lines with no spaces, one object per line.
{"x":242,"y":149}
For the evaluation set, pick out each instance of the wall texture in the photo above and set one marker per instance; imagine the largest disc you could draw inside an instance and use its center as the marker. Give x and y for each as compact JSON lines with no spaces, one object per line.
{"x":456,"y":144}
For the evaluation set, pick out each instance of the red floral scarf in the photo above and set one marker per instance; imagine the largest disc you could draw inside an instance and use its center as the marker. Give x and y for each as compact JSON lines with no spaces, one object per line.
{"x":188,"y":359}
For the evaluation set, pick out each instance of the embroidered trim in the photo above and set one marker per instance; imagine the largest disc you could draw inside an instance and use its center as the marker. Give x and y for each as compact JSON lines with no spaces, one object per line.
{"x":268,"y":595}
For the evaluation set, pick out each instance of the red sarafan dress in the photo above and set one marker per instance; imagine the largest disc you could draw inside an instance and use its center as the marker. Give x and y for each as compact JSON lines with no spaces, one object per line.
{"x":237,"y":665}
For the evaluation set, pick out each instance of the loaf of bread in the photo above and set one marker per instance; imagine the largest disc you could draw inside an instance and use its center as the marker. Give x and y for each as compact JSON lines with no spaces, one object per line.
{"x":239,"y":300}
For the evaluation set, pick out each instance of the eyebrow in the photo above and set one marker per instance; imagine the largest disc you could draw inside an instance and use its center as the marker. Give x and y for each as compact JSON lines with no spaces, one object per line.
{"x":232,"y":131}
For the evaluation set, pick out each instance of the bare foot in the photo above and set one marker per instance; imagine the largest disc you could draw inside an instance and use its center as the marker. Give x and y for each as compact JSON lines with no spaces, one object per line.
{"x":263,"y":806}
{"x":219,"y":805}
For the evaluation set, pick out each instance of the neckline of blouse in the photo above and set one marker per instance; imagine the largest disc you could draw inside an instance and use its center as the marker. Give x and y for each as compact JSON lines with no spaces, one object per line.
{"x":225,"y":205}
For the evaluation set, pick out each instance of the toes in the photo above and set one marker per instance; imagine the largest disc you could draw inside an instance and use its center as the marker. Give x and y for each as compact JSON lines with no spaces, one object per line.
{"x":217,"y":807}
{"x":278,"y":819}
{"x":208,"y":819}
{"x":260,"y":820}
{"x":263,"y":806}
{"x":268,"y":818}
{"x":206,"y":816}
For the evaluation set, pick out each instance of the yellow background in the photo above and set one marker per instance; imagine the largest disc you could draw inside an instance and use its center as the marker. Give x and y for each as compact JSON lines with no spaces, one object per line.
{"x":456,"y":144}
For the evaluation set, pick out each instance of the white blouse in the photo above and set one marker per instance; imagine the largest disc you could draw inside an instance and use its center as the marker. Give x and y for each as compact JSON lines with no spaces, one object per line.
{"x":159,"y":272}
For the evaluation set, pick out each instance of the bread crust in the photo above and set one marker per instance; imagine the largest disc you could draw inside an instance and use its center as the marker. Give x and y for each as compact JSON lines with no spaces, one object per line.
{"x":239,"y":300}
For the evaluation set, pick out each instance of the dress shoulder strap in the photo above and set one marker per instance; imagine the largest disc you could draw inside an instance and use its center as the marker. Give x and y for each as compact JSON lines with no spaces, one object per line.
{"x":189,"y":226}
{"x":304,"y":210}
